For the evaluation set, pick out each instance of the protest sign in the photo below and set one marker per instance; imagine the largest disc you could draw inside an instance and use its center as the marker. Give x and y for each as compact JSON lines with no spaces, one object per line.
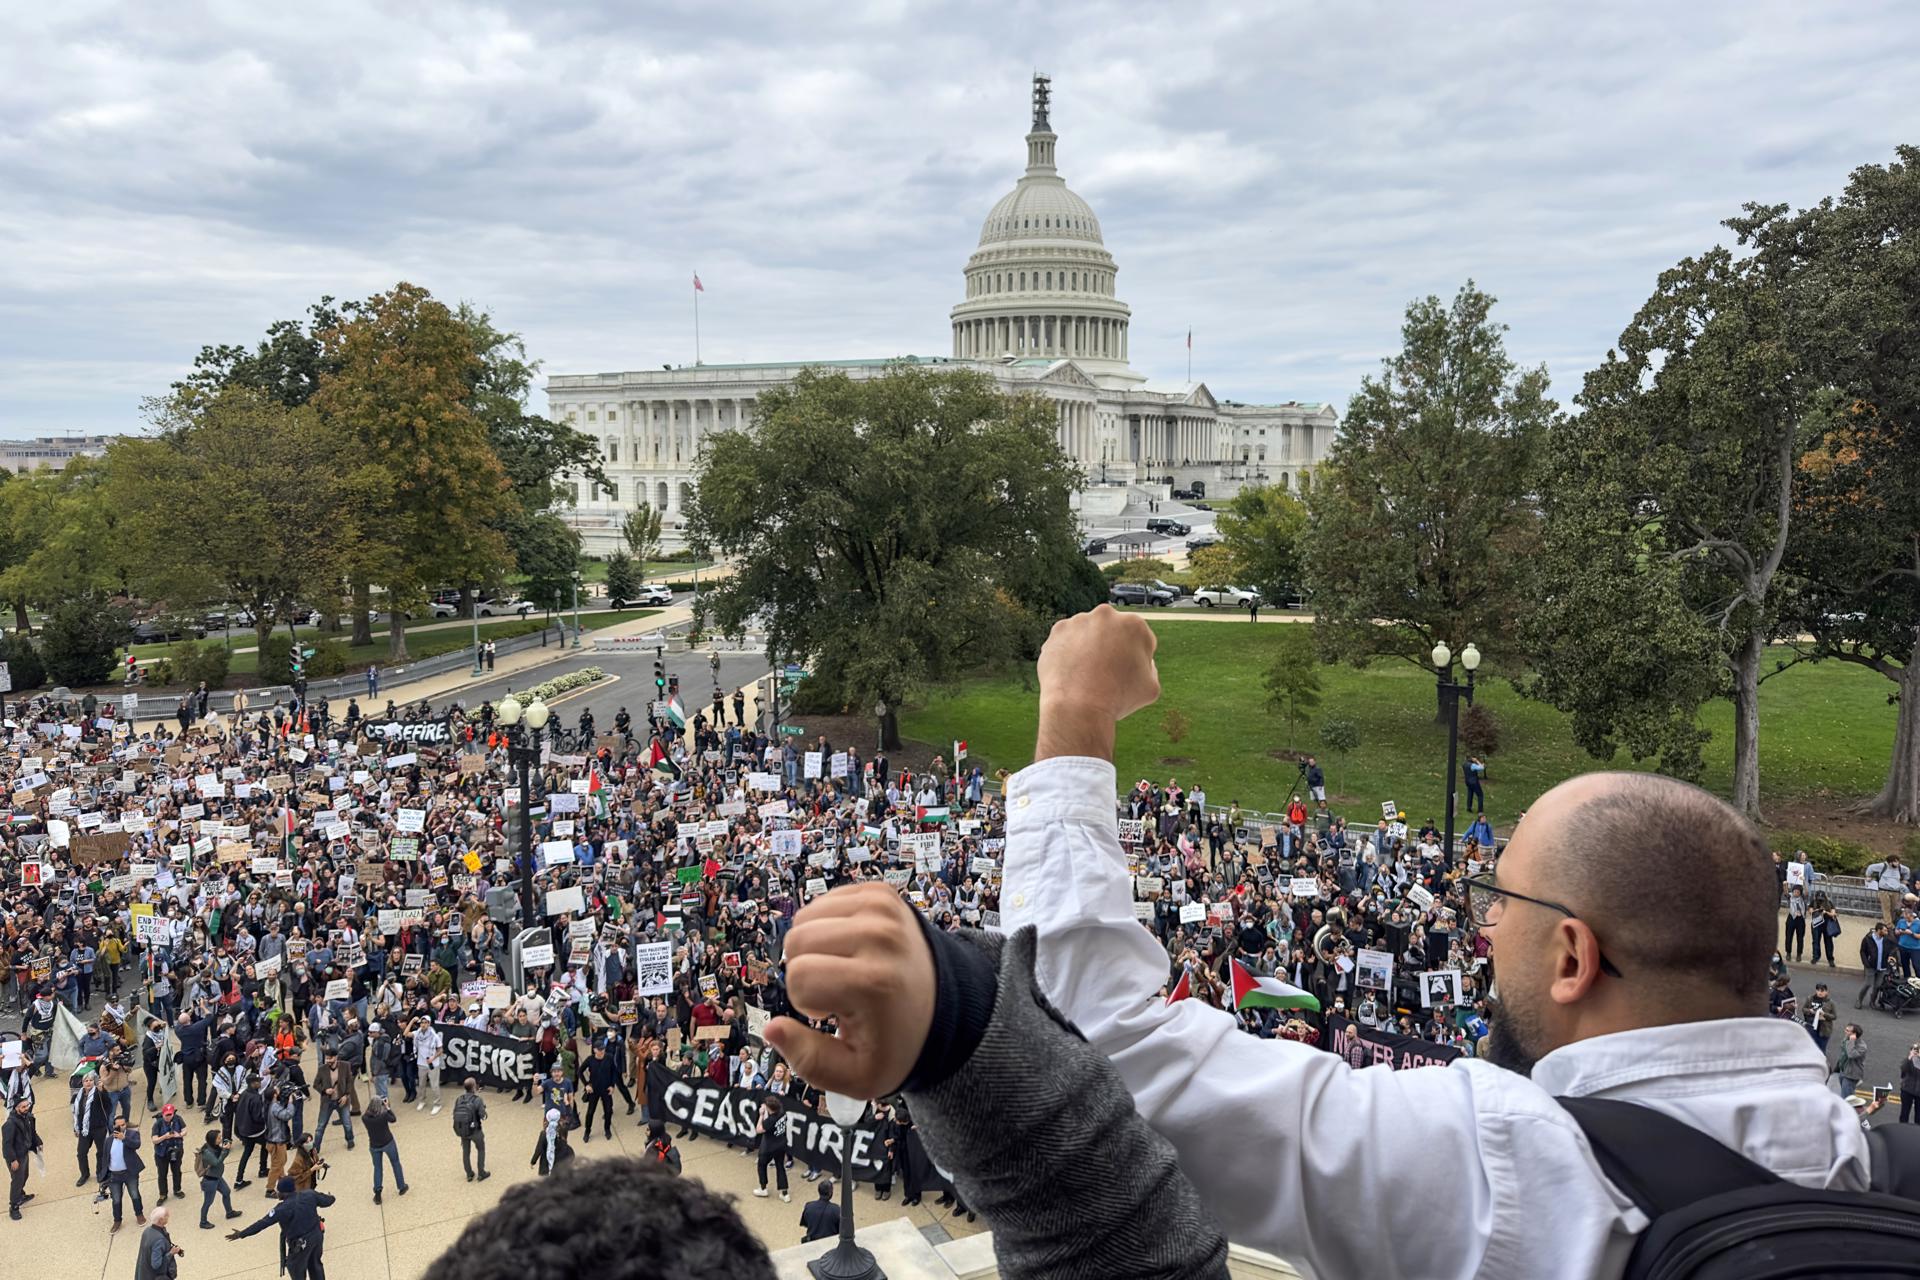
{"x":654,"y":968}
{"x":1193,"y":913}
{"x":569,"y":899}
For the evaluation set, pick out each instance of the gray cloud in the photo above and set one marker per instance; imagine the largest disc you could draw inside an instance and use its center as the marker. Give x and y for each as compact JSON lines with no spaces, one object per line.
{"x":1281,"y":179}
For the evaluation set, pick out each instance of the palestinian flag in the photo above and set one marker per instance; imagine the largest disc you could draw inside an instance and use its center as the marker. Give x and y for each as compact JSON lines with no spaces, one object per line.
{"x":660,"y":762}
{"x":1183,"y":989}
{"x":1250,"y":992}
{"x":595,"y":789}
{"x":676,"y":712}
{"x":870,"y":832}
{"x":931,"y":813}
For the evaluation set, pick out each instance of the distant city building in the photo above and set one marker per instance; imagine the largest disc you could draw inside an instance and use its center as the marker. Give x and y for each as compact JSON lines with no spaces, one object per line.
{"x":52,"y":452}
{"x":1041,"y":313}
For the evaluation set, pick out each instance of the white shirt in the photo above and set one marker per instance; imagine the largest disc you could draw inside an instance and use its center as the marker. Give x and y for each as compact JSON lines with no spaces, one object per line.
{"x":1466,"y":1170}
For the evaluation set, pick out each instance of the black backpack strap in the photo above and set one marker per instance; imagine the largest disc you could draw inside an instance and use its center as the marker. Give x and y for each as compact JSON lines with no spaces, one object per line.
{"x":1661,"y":1163}
{"x":1896,"y":1159}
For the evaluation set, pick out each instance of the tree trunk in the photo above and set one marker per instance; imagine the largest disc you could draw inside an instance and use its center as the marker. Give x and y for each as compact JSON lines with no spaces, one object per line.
{"x":1899,"y":800}
{"x":396,"y":629}
{"x":890,"y":729}
{"x":469,"y":601}
{"x":21,"y":622}
{"x":362,"y":614}
{"x":1746,"y":727}
{"x":262,"y":628}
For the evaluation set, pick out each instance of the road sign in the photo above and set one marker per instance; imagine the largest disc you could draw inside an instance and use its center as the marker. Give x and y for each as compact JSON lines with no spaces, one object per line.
{"x":129,"y":703}
{"x":6,"y":679}
{"x":793,"y":671}
{"x":792,"y":730}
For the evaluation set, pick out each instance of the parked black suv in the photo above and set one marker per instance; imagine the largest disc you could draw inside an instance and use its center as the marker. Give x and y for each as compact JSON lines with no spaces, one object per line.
{"x":1135,"y":593}
{"x":1094,"y":547}
{"x":1172,"y":528}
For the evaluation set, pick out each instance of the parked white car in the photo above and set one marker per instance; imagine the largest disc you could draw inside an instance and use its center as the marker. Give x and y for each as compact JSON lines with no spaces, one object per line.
{"x":1232,"y":597}
{"x":503,"y":608}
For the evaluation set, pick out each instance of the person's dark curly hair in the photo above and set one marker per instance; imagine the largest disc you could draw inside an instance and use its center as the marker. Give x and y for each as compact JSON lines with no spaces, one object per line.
{"x":620,"y":1219}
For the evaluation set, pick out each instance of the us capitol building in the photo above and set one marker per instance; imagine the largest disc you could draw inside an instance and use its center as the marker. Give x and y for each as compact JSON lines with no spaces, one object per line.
{"x":1042,"y":314}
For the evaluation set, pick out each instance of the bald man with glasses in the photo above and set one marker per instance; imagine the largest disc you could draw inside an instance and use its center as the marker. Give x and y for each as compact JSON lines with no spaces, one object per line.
{"x":1631,"y":919}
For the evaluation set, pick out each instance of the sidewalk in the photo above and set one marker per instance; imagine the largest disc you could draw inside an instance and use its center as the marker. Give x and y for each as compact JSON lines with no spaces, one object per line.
{"x":1846,"y":947}
{"x":450,"y":684}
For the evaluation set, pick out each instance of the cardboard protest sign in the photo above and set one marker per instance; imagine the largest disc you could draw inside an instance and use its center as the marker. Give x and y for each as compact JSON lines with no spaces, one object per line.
{"x":563,"y":901}
{"x":90,"y":850}
{"x":1193,"y":913}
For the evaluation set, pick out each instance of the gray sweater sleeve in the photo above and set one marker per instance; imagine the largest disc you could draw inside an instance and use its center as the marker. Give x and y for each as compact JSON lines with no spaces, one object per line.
{"x":1039,"y":1134}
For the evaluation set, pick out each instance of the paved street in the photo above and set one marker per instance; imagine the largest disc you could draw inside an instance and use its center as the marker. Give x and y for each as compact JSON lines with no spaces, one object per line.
{"x":392,"y":1241}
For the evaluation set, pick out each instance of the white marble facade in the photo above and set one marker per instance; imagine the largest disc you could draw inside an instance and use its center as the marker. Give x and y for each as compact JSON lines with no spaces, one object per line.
{"x":1041,"y":313}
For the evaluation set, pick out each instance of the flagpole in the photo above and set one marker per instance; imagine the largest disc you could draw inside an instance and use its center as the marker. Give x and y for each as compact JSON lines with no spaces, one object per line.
{"x":1189,"y":356}
{"x":696,"y":321}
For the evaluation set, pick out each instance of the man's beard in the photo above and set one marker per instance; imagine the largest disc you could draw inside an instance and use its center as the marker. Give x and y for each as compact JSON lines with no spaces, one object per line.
{"x":1513,"y":1038}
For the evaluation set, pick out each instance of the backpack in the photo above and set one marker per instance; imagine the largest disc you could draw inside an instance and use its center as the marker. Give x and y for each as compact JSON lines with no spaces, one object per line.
{"x":1717,"y":1215}
{"x":462,"y":1118}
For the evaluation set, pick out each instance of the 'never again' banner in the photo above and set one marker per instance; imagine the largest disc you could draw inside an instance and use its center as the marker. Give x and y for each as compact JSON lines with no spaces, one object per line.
{"x":735,"y":1113}
{"x":1364,"y":1046}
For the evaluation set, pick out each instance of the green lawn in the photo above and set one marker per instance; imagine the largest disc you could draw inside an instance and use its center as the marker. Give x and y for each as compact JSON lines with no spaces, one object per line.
{"x":426,"y":644}
{"x":1825,"y":730}
{"x":596,"y":570}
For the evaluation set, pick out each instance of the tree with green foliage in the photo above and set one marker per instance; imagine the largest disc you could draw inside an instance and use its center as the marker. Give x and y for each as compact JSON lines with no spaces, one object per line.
{"x":1668,"y":505}
{"x":24,"y":667}
{"x":1421,"y":524}
{"x":1339,"y":735}
{"x":1263,"y":529}
{"x":549,"y":557}
{"x":276,"y":499}
{"x":534,"y":451}
{"x":286,"y":366}
{"x":623,"y":580}
{"x":63,"y":537}
{"x":896,"y":532}
{"x":1850,"y":269}
{"x":81,"y":639}
{"x":1214,"y":567}
{"x":1292,"y":680}
{"x":401,"y":384}
{"x":1145,"y":569}
{"x":641,"y":532}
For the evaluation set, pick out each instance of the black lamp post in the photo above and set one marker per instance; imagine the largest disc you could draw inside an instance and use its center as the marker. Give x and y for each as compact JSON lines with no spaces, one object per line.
{"x":847,"y":1260}
{"x":523,"y":726}
{"x":1451,"y":693}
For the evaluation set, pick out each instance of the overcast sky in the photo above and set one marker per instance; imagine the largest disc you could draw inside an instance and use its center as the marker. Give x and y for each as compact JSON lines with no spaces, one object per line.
{"x":1281,"y":178}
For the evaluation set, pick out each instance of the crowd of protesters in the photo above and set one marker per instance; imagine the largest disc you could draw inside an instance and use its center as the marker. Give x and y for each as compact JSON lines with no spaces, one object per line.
{"x":262,"y":924}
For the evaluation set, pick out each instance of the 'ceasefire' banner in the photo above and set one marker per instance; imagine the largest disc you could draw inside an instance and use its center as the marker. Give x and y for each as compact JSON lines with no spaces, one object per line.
{"x":735,"y":1113}
{"x":498,"y":1062}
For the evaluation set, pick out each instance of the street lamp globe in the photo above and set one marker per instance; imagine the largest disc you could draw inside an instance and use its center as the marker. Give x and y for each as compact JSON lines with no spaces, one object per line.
{"x":509,"y":710}
{"x":879,"y":710}
{"x":1442,"y":656}
{"x":537,"y":714}
{"x":1470,"y":658}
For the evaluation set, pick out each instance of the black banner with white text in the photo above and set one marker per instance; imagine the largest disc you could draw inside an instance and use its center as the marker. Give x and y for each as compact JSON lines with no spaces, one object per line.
{"x":498,"y":1062}
{"x":1365,"y":1046}
{"x":735,"y":1114}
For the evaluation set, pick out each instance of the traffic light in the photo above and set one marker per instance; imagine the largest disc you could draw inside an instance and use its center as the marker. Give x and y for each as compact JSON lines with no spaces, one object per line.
{"x":659,"y":676}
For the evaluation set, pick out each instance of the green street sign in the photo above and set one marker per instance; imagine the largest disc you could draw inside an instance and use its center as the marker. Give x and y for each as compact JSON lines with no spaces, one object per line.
{"x":792,"y":730}
{"x":306,"y":653}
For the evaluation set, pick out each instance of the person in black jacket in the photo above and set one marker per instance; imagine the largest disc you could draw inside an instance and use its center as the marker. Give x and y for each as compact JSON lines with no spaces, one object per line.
{"x":92,"y":1121}
{"x":883,"y":1134}
{"x":773,"y":1148}
{"x":302,"y":1232}
{"x":378,"y":1119}
{"x":250,"y":1126}
{"x":192,"y":1031}
{"x":19,"y":1139}
{"x":598,"y":1074}
{"x":821,"y":1219}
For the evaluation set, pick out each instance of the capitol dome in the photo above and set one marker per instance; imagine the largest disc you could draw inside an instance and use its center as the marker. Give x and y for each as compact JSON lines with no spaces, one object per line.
{"x":1041,"y":283}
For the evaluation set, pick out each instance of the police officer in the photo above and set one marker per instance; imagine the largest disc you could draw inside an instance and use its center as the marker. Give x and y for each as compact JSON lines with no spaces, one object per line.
{"x":302,"y":1233}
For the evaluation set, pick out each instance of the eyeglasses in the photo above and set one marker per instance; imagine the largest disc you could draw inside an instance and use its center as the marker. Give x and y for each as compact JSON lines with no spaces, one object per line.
{"x":1487,"y":901}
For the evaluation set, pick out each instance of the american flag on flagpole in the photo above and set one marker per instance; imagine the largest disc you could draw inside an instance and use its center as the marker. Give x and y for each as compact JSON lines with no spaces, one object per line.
{"x":1189,"y":332}
{"x":700,"y":288}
